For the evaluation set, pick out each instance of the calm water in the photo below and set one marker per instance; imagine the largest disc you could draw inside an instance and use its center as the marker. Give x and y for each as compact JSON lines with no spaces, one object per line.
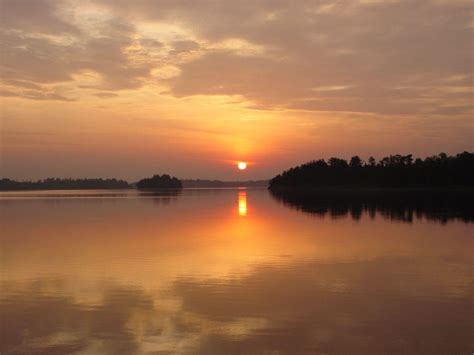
{"x":228,"y":271}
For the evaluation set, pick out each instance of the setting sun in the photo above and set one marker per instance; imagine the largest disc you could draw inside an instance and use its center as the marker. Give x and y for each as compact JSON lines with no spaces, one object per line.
{"x":127,"y":203}
{"x":242,"y":165}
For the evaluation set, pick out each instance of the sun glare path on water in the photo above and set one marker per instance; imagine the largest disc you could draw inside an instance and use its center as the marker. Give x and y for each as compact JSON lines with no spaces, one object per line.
{"x":242,"y":203}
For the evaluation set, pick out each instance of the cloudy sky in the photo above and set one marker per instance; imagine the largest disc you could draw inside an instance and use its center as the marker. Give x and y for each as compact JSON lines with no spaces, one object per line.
{"x":103,"y":88}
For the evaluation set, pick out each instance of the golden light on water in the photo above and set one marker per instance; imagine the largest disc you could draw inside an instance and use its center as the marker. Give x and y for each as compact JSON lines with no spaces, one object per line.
{"x":242,"y":165}
{"x":242,"y":203}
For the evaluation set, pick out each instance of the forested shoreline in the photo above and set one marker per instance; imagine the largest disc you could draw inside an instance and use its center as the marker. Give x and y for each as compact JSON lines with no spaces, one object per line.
{"x":394,"y":171}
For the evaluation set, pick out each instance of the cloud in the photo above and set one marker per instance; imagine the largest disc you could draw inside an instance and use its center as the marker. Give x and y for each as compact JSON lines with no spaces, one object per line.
{"x":393,"y":58}
{"x":37,"y":60}
{"x":105,"y":95}
{"x":38,"y":16}
{"x":391,"y":55}
{"x":22,"y":84}
{"x":372,"y":46}
{"x":35,"y":95}
{"x":184,"y":46}
{"x":33,"y":58}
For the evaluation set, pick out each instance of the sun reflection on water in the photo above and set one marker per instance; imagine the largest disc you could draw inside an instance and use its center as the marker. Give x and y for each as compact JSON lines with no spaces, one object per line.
{"x":242,"y":203}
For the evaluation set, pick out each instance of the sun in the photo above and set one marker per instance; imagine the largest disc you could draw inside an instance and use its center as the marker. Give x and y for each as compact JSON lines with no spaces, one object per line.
{"x":242,"y":165}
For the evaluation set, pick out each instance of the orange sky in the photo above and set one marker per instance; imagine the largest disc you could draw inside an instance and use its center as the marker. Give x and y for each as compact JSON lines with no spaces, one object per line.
{"x":102,"y":88}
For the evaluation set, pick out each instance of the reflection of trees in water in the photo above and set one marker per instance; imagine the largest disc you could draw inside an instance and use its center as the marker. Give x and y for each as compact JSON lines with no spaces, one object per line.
{"x":395,"y":205}
{"x":51,"y":198}
{"x":164,"y":197}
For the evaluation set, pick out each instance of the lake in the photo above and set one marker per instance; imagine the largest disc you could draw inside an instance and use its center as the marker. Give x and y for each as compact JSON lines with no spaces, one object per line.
{"x":224,"y":271}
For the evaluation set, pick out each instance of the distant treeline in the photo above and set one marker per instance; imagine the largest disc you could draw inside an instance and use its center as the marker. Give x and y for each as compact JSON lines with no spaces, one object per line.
{"x":393,"y":171}
{"x":219,"y":183}
{"x":63,"y":184}
{"x":156,"y":182}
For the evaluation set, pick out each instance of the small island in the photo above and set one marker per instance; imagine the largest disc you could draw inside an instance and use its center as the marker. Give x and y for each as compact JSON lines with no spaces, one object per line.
{"x":160,"y":182}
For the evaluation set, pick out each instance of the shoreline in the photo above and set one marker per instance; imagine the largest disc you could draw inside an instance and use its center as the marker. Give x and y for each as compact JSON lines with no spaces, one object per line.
{"x":144,"y":190}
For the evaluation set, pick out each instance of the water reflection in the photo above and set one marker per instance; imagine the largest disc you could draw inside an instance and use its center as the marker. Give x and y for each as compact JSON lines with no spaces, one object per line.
{"x":378,"y":306}
{"x":242,"y":204}
{"x":397,"y":206}
{"x":126,"y":276}
{"x":92,"y":194}
{"x":160,"y":193}
{"x":40,"y":317}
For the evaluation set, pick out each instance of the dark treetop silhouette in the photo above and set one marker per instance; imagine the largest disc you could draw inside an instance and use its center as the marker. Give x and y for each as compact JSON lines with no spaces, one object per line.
{"x":160,"y":182}
{"x":393,"y":171}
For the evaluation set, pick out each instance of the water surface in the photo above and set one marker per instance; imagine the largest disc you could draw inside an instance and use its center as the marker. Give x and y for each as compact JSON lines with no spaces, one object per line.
{"x":228,"y":271}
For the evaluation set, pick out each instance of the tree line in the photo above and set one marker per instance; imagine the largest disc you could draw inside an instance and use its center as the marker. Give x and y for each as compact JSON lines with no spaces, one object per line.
{"x":156,"y":182}
{"x":392,"y":171}
{"x":63,"y":184}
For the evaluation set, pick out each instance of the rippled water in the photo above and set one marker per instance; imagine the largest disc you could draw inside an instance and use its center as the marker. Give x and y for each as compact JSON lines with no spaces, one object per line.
{"x":228,"y":271}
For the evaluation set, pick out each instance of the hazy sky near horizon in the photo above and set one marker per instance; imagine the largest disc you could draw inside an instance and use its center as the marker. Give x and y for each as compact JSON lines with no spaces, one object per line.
{"x":120,"y":88}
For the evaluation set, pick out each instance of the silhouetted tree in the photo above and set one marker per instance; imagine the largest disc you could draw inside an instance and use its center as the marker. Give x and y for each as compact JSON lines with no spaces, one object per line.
{"x":337,"y":163}
{"x":355,"y":162}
